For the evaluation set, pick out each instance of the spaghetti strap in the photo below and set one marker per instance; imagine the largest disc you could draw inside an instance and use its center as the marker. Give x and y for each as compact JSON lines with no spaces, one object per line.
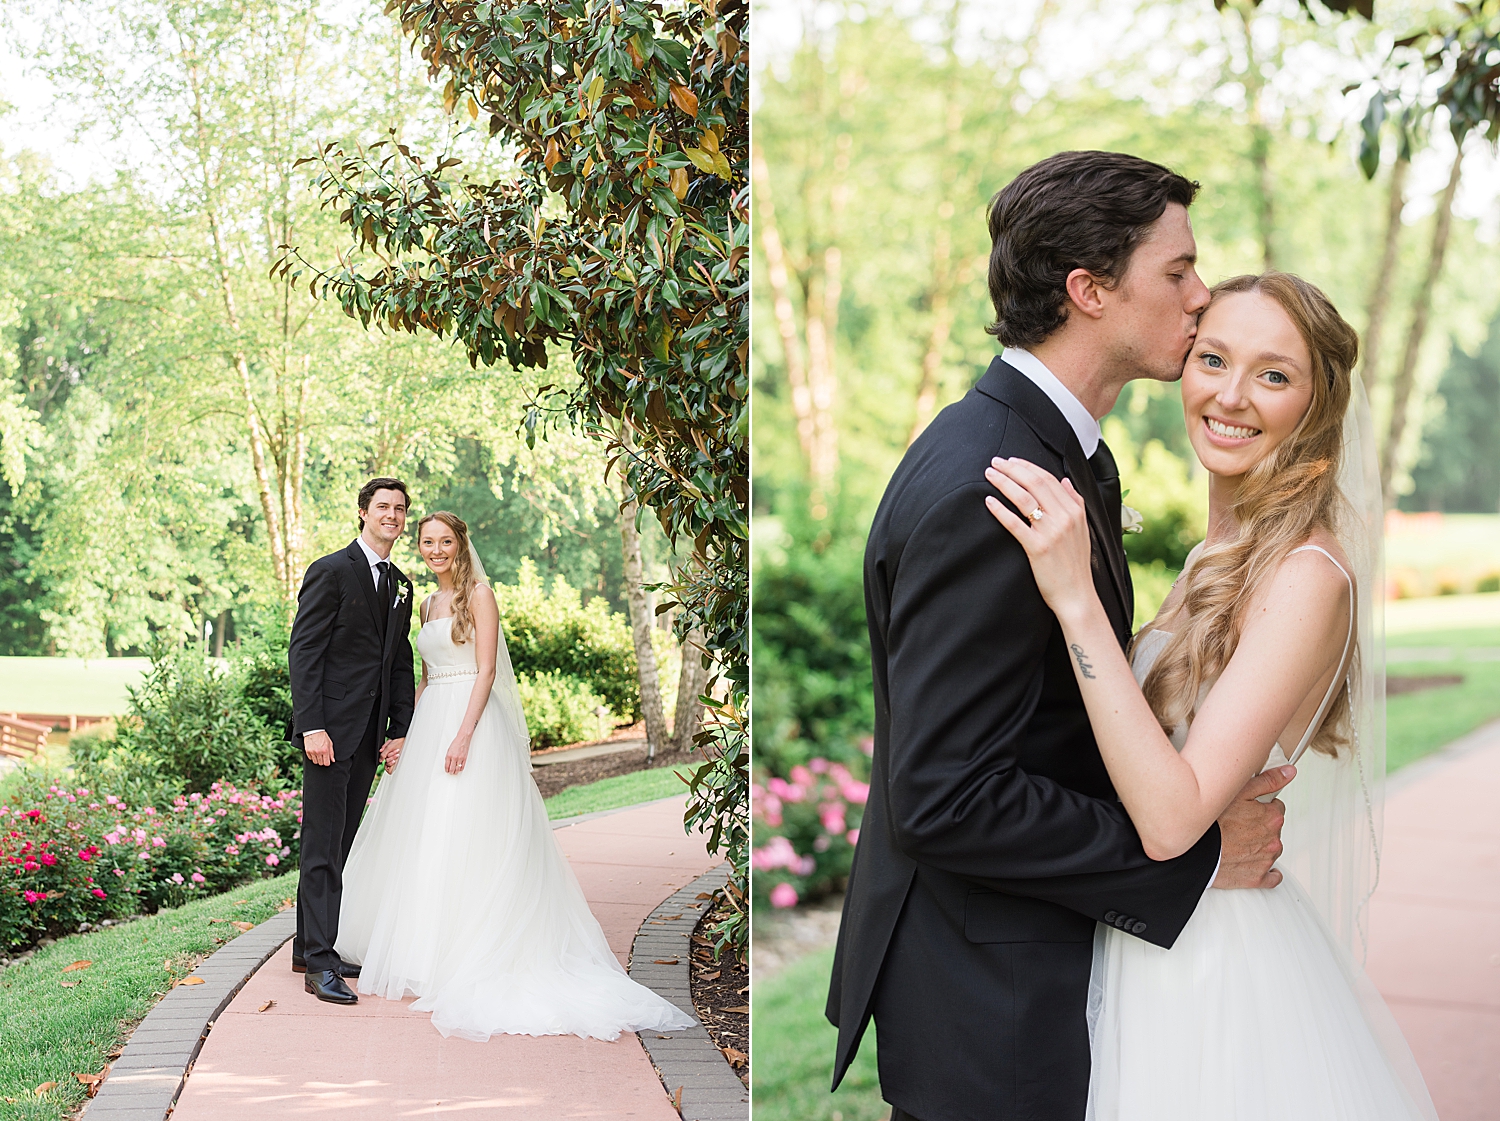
{"x":1341,"y":678}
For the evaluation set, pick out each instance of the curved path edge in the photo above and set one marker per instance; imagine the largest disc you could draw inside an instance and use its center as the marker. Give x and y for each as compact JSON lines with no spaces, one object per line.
{"x":688,"y":1061}
{"x":143,"y":1083}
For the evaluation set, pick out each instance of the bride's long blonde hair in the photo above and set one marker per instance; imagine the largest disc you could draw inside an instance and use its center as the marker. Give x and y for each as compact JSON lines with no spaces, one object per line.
{"x":1283,"y":500}
{"x":463,"y":573}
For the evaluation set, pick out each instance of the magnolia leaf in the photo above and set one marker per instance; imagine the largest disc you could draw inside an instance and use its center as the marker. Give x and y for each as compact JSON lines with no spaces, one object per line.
{"x":44,"y":1087}
{"x":685,"y":99}
{"x":679,"y":182}
{"x":553,"y":156}
{"x":191,"y":981}
{"x":703,"y":161}
{"x":76,"y":965}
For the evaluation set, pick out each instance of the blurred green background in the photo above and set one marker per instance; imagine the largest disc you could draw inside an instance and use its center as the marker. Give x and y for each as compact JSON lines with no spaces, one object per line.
{"x":881,"y":132}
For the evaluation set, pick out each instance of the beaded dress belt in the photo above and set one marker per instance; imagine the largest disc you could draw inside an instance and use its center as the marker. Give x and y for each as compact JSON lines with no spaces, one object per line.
{"x":454,"y":674}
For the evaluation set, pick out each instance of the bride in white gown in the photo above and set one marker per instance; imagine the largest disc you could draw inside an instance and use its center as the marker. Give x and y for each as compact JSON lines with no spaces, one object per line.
{"x":455,"y":890}
{"x":1270,"y":636}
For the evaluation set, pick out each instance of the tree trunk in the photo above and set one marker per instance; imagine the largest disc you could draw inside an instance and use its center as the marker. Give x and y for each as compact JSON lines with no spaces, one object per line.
{"x":1401,"y":387}
{"x":640,"y":631}
{"x":690,"y":685}
{"x":1380,"y":292}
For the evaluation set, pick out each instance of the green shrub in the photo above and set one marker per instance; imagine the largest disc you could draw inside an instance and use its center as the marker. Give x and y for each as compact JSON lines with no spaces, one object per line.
{"x":556,"y":632}
{"x":188,"y":728}
{"x":1490,"y":583}
{"x":811,"y":655}
{"x":264,"y":682}
{"x":559,"y":709}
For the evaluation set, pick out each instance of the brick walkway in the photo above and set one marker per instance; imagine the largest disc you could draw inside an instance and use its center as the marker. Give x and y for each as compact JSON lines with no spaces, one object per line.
{"x":1435,"y":922}
{"x":377,"y":1060}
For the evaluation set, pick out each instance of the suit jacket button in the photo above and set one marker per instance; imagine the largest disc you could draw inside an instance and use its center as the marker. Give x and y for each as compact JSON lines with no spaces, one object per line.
{"x":372,"y":692}
{"x":1137,"y":928}
{"x":1123,"y":922}
{"x":1110,"y":916}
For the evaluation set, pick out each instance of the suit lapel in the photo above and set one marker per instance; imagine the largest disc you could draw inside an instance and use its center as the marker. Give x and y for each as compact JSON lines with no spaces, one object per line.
{"x":361,"y":566}
{"x":1006,"y":384}
{"x":392,"y":622}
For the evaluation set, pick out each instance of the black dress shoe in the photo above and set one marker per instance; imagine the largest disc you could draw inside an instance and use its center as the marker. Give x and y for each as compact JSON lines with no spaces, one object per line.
{"x":346,"y":969}
{"x":325,"y":984}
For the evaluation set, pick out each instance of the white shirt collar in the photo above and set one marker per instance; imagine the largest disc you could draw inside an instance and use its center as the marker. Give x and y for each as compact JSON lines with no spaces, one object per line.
{"x":370,"y":554}
{"x":1079,"y":418}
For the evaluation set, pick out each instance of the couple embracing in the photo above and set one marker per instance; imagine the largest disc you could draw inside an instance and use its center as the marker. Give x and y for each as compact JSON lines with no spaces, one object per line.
{"x":1063,"y":903}
{"x":450,"y":886}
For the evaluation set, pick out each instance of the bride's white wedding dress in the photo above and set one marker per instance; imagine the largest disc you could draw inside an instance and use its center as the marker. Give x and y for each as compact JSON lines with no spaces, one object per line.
{"x":456,"y":891}
{"x":1257,"y":1012}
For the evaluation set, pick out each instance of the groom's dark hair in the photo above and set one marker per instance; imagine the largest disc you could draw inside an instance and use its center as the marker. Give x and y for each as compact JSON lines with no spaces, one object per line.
{"x":1074,"y":210}
{"x":367,"y":492}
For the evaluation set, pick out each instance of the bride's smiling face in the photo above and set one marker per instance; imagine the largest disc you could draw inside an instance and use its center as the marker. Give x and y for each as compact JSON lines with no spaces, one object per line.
{"x":1247,"y":383}
{"x":438,"y":546}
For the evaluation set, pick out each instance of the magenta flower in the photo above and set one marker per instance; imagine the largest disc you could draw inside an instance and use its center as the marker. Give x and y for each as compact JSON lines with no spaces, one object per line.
{"x":48,"y":859}
{"x":197,"y":877}
{"x":32,"y":866}
{"x":98,"y":893}
{"x":31,"y":896}
{"x":783,"y":895}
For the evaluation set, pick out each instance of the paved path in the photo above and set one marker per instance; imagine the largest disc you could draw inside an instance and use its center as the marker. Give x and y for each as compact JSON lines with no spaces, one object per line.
{"x":303,"y":1058}
{"x":1435,"y":922}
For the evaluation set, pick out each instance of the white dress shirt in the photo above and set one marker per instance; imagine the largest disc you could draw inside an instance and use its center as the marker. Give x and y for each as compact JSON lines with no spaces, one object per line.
{"x":1084,"y":426}
{"x":1079,"y":418}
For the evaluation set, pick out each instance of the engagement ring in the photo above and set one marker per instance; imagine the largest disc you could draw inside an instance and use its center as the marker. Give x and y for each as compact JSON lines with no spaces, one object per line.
{"x":1036,"y":514}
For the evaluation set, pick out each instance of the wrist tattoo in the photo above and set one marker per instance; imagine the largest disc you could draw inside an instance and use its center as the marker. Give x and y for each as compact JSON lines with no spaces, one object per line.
{"x":1084,"y":666}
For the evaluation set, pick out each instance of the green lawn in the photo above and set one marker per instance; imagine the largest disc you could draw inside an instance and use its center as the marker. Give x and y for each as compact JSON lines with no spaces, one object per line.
{"x":621,"y":790}
{"x":1419,"y":723}
{"x":49,"y":1033}
{"x":793,"y":1048}
{"x":69,"y":686}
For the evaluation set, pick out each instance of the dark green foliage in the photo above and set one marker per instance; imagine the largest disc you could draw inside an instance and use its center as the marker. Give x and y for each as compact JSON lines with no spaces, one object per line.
{"x":1459,"y":472}
{"x":556,"y":632}
{"x":559,"y":709}
{"x":812,"y":655}
{"x":189,"y":726}
{"x":265,"y":689}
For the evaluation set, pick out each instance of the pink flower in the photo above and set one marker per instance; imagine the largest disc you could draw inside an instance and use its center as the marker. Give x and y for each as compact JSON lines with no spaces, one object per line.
{"x":832,"y":816}
{"x":856,"y":792}
{"x":802,"y":776}
{"x":177,"y":877}
{"x":48,"y":859}
{"x":158,"y":843}
{"x":98,"y":893}
{"x":150,"y":810}
{"x":31,"y":896}
{"x":197,"y":877}
{"x":818,"y":766}
{"x":232,"y":850}
{"x":273,"y":860}
{"x":852,"y":836}
{"x":783,"y":895}
{"x":867,"y":745}
{"x":32,"y":866}
{"x":119,"y":871}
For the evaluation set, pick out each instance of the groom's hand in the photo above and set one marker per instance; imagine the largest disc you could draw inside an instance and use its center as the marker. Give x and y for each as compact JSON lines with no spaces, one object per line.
{"x":1250,"y":833}
{"x":319,"y":748}
{"x":390,"y":753}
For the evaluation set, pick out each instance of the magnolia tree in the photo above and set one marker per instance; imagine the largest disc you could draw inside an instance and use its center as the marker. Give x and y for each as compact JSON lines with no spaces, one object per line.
{"x":621,"y":234}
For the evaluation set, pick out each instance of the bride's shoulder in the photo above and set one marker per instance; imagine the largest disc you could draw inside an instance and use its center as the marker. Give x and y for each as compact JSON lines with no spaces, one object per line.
{"x":483,"y":596}
{"x":1313,"y":581}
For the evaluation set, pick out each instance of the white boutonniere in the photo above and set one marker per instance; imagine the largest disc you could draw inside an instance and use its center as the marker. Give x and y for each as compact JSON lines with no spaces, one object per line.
{"x":402,"y":591}
{"x":1131,"y":520}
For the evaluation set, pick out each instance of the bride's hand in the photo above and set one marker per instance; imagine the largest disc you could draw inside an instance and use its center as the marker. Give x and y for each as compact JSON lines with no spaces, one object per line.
{"x":390,"y":754}
{"x":1055,"y":533}
{"x":458,"y":753}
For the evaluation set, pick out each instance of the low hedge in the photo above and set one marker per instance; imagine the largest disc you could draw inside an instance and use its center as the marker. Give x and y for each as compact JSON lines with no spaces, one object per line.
{"x":559,"y":709}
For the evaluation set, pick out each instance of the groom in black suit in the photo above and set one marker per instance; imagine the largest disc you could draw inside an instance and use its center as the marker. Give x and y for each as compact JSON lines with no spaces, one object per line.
{"x":352,"y":699}
{"x":993,"y":842}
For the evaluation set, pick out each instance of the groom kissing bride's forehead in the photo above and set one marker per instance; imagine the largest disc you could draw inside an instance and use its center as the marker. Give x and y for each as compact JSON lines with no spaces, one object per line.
{"x":994,"y":842}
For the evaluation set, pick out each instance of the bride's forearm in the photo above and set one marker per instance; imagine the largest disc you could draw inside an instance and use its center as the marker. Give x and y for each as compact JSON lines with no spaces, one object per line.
{"x":477,"y":700}
{"x":1158,"y":787}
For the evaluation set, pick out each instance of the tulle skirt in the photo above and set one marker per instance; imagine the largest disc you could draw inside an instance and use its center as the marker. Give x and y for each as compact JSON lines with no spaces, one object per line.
{"x":1255,"y":1013}
{"x":456,"y":892}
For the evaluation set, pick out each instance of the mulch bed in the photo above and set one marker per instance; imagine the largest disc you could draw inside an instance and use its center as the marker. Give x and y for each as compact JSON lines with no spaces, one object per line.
{"x":554,"y":778}
{"x":1394,"y":686}
{"x":721,"y":996}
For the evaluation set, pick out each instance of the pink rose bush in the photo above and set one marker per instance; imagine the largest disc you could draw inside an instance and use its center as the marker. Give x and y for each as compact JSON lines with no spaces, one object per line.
{"x":69,"y":855}
{"x":805,"y":827}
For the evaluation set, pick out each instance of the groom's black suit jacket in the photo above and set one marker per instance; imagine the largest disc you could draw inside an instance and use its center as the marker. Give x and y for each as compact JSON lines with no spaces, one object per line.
{"x":344,"y":663}
{"x":992,"y":841}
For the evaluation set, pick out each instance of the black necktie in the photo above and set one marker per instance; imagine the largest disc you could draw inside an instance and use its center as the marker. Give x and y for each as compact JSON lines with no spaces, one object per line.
{"x":383,"y":592}
{"x":1107,"y":474}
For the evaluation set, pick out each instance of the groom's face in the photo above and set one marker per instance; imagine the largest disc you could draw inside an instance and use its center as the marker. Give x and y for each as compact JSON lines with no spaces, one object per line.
{"x":1158,"y":301}
{"x":385,"y":520}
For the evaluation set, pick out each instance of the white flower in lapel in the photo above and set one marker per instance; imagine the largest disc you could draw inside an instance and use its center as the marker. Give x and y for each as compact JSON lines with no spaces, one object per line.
{"x":402,"y":591}
{"x":1131,"y":520}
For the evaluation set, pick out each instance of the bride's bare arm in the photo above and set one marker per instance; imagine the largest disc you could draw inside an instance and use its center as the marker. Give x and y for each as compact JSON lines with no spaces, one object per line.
{"x":486,"y":641}
{"x":1291,"y":642}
